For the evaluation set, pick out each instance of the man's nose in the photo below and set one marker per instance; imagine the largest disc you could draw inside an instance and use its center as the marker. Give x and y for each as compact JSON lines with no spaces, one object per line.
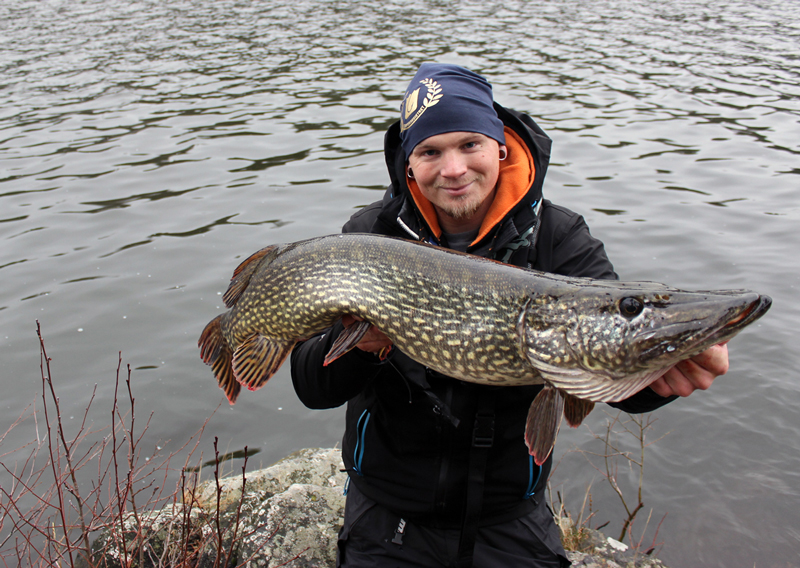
{"x":454,"y":165}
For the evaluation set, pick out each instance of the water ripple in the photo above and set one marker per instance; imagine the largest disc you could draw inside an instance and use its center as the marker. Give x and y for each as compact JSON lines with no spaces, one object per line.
{"x":146,"y":145}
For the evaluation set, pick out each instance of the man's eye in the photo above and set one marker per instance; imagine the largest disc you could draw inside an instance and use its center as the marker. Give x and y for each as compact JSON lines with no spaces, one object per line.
{"x":470,"y":145}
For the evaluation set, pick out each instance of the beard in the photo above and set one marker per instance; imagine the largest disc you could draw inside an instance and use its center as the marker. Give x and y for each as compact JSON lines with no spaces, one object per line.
{"x":462,"y":206}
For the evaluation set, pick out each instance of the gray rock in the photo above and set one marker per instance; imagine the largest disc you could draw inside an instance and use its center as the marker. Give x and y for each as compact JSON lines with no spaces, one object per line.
{"x":289,"y":515}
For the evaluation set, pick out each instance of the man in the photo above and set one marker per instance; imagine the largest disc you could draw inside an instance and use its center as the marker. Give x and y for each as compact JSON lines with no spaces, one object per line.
{"x":439,"y":474}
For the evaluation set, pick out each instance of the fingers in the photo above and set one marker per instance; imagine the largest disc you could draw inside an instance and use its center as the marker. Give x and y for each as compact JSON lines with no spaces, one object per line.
{"x":713,"y":360}
{"x":697,"y":373}
{"x":374,"y":341}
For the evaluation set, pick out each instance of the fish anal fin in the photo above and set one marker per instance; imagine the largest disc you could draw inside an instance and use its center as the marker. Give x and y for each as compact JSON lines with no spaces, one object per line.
{"x":544,"y":418}
{"x":258,"y":358}
{"x":576,"y":409}
{"x":348,"y":339}
{"x":241,"y":276}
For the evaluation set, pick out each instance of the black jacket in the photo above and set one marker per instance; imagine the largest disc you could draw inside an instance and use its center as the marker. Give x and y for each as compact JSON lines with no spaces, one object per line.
{"x":409,"y":429}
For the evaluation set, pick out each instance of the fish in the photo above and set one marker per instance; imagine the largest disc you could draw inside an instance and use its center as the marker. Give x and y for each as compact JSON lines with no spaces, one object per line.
{"x":470,"y":318}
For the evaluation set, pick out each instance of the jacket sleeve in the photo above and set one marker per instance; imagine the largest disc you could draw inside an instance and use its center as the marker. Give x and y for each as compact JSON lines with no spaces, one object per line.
{"x":646,"y":400}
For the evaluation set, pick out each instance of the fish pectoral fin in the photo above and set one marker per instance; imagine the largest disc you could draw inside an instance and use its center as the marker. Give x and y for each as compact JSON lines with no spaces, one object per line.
{"x":258,"y":358}
{"x":576,"y":409}
{"x":544,"y":418}
{"x":214,"y":351}
{"x":348,"y":339}
{"x":241,"y":276}
{"x":596,"y":386}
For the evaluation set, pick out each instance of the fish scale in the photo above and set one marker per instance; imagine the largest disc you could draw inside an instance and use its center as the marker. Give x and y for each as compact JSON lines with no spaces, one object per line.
{"x":469,"y":318}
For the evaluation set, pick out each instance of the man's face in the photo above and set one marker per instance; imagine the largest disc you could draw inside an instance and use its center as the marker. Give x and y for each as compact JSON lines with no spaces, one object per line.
{"x":457,"y":172}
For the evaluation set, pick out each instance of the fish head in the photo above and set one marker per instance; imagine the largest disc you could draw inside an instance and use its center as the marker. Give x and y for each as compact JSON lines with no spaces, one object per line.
{"x":606,"y":341}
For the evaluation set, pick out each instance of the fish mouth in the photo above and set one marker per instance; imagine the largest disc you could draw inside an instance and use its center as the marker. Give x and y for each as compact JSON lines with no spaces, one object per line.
{"x":748,"y":312}
{"x":751,"y":313}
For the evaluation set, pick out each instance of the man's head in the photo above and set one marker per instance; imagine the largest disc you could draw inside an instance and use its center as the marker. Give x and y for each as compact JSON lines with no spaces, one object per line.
{"x":453,"y":142}
{"x":447,"y":98}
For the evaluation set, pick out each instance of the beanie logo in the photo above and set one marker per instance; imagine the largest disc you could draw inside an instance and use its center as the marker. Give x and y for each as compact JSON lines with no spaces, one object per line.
{"x":410,"y":109}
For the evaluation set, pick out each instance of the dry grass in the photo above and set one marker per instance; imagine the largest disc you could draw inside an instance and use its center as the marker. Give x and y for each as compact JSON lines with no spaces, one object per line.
{"x":64,"y":489}
{"x":610,"y":462}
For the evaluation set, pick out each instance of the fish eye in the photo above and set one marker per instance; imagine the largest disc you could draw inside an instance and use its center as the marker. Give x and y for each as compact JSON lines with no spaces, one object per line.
{"x":630,"y":307}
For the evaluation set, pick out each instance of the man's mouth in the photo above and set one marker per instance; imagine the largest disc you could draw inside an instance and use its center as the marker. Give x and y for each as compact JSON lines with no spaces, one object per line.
{"x":456,"y":189}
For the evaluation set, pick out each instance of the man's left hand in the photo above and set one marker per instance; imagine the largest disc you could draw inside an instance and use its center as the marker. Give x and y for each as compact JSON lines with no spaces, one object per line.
{"x":695,"y":373}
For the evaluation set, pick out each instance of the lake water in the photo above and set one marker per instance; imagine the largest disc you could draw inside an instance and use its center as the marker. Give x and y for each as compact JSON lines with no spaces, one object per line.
{"x":147,"y":147}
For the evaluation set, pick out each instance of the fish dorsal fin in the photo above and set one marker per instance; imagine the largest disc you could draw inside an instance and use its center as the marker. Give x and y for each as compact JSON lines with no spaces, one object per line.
{"x":544,"y":418}
{"x":576,"y":409}
{"x":243,"y":273}
{"x":258,"y":358}
{"x":215,"y":352}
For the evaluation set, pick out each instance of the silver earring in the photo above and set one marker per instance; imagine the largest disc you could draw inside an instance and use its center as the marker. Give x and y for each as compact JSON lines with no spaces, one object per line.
{"x":409,"y":173}
{"x":504,"y":154}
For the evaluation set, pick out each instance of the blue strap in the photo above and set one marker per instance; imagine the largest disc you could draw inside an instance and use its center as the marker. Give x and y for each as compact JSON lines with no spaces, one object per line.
{"x":531,"y":483}
{"x":358,"y":453}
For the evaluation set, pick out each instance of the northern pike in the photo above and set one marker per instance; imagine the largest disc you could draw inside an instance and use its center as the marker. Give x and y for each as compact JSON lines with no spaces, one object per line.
{"x":470,"y":318}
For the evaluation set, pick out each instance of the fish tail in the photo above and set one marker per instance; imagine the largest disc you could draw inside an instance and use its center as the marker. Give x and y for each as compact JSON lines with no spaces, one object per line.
{"x":214,"y":351}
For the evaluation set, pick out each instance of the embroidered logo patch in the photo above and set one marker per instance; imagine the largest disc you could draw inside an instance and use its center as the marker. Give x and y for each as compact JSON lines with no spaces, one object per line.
{"x":410,"y":108}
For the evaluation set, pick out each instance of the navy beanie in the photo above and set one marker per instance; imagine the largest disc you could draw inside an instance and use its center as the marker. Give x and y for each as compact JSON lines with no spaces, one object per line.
{"x":447,"y":98}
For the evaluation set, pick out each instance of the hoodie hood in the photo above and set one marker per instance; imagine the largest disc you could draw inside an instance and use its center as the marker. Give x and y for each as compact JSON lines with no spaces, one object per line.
{"x":519,"y":186}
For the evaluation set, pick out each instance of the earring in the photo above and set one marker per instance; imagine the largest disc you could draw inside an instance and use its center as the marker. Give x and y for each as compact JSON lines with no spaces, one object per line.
{"x":409,"y":173}
{"x":504,"y":154}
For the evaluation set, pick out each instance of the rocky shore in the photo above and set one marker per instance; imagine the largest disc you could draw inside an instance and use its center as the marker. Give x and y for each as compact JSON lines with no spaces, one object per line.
{"x":288,"y":515}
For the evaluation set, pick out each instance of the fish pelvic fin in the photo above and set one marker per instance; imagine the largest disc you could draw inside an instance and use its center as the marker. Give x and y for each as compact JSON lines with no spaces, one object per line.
{"x":544,"y":418}
{"x":214,"y":351}
{"x":348,"y":339}
{"x":244,"y":272}
{"x":576,"y":409}
{"x":258,"y":358}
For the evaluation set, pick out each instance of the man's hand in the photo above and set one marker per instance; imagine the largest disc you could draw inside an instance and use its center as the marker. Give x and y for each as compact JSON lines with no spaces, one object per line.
{"x":374,"y":341}
{"x":695,"y":373}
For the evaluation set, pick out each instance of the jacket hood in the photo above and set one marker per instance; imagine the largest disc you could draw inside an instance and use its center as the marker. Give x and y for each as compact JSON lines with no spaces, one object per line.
{"x":520,"y":185}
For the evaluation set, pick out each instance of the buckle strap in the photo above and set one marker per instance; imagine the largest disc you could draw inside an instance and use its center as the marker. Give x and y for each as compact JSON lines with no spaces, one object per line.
{"x":483,"y":433}
{"x":482,"y":439}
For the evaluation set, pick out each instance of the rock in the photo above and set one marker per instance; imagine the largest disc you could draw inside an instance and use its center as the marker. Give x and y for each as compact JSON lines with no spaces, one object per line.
{"x":289,"y":515}
{"x":302,"y":523}
{"x":291,"y":511}
{"x":308,"y":467}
